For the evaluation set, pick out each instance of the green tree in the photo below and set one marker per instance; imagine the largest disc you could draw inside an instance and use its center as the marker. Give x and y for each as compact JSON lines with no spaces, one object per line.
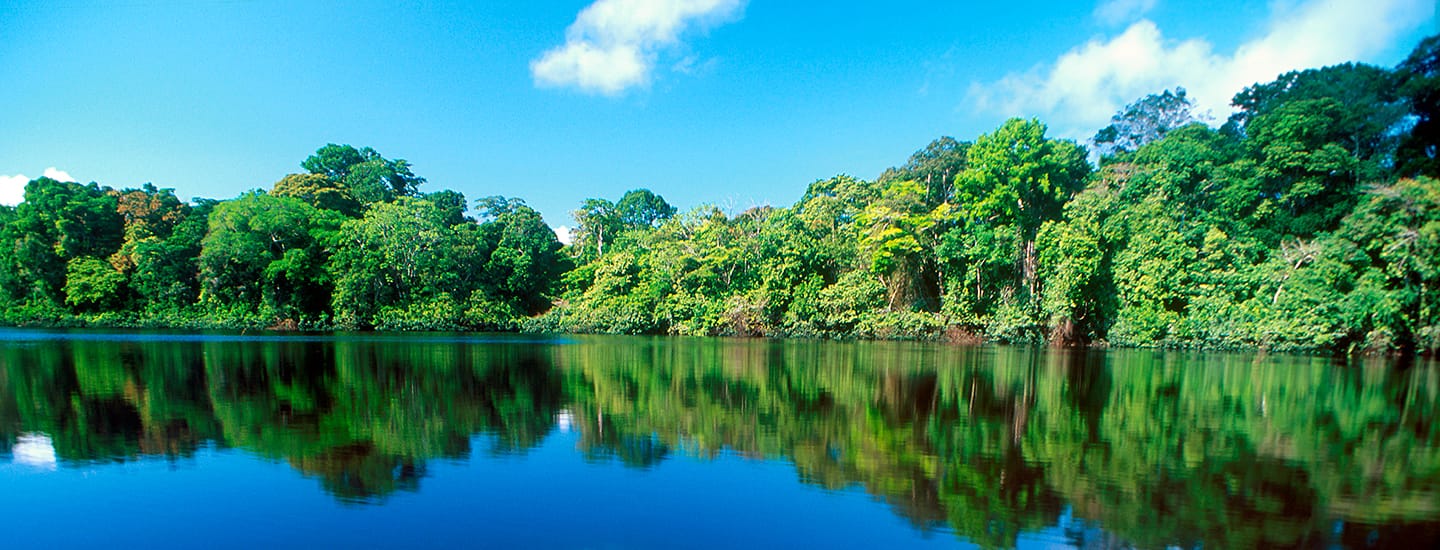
{"x":263,"y":256}
{"x":318,"y":190}
{"x":1017,"y":175}
{"x":598,"y":223}
{"x":164,"y":272}
{"x":1152,"y":272}
{"x":935,"y":167}
{"x":1314,"y":137}
{"x":396,"y":266}
{"x":492,"y":207}
{"x":642,"y":208}
{"x":151,"y":218}
{"x":149,"y":212}
{"x":525,"y":264}
{"x":367,"y":176}
{"x":898,"y":235}
{"x":1393,"y":243}
{"x":1076,"y":263}
{"x":1016,"y":180}
{"x":92,"y":284}
{"x":1187,"y":167}
{"x":1309,"y":174}
{"x":452,"y":207}
{"x":1419,"y":76}
{"x":56,"y":223}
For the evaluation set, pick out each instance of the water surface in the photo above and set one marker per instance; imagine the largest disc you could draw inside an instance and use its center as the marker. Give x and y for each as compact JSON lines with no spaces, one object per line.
{"x":239,"y":440}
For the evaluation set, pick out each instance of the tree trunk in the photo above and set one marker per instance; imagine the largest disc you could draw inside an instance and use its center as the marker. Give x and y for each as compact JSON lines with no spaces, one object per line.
{"x":1029,"y":266}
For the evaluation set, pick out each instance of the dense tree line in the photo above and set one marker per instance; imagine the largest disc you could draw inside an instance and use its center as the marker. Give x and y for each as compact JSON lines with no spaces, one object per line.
{"x":351,"y":243}
{"x":1309,"y":220}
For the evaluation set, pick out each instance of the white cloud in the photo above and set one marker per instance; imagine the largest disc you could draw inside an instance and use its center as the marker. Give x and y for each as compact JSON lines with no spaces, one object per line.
{"x":57,"y":174}
{"x":12,"y":189}
{"x":565,"y":234}
{"x":1081,"y":89}
{"x":1116,"y":12}
{"x":612,"y":45}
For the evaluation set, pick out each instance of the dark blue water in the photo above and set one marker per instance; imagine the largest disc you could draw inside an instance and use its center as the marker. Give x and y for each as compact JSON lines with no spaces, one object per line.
{"x":239,"y":440}
{"x":549,"y":496}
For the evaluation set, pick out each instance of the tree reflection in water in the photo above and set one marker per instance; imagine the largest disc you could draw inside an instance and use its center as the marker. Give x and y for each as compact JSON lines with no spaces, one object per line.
{"x":1138,"y":447}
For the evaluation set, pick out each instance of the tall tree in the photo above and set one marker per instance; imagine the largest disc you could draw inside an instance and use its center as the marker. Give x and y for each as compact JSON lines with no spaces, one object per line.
{"x":151,"y":217}
{"x":366,"y":175}
{"x":81,"y":220}
{"x":525,"y":263}
{"x":1419,"y":78}
{"x":265,"y":253}
{"x":1369,"y":109}
{"x":898,"y":235}
{"x":398,"y":256}
{"x":165,"y":271}
{"x":1146,"y":120}
{"x":57,"y":223}
{"x":935,"y":167}
{"x":1314,"y":137}
{"x":598,"y":223}
{"x":642,"y":208}
{"x":318,"y":190}
{"x":1017,"y":176}
{"x":492,"y":207}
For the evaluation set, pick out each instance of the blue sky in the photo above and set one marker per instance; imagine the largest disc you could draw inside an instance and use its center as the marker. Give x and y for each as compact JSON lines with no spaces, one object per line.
{"x":723,"y":102}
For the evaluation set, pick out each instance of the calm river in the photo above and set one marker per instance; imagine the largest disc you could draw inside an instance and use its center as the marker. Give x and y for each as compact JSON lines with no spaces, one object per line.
{"x":211,"y":440}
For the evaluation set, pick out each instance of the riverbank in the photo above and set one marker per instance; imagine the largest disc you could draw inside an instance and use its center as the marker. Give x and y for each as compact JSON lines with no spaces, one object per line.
{"x":916,"y":328}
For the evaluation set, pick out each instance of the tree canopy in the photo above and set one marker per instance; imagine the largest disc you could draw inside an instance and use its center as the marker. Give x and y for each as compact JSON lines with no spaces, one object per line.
{"x":1305,"y":222}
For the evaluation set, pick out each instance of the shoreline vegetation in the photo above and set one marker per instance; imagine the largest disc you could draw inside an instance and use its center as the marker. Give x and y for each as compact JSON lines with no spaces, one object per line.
{"x":1308,"y":221}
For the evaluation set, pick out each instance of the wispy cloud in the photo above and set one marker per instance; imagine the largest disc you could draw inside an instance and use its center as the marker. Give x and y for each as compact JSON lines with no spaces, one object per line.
{"x":1080,"y":90}
{"x":1116,"y":12}
{"x":613,"y":44}
{"x":12,"y":188}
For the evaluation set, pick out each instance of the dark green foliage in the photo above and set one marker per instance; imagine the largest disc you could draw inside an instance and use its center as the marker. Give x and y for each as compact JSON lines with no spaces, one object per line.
{"x":935,"y":166}
{"x":364,"y":174}
{"x":263,"y":258}
{"x":419,"y":263}
{"x":79,"y":220}
{"x":394,"y":268}
{"x":642,"y":208}
{"x":525,"y":263}
{"x":312,"y":253}
{"x":1419,"y":76}
{"x":59,"y":224}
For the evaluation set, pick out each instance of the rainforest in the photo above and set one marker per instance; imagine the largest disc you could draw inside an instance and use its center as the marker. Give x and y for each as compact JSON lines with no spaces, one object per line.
{"x":1308,"y":220}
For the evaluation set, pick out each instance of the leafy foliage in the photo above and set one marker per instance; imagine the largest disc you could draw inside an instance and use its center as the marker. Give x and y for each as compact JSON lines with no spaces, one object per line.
{"x":1305,"y":222}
